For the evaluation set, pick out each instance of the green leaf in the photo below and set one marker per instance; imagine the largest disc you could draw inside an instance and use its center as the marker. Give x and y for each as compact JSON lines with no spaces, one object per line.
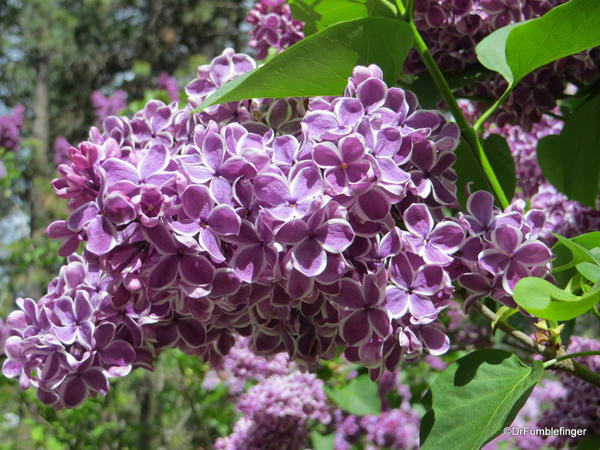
{"x":589,"y":271}
{"x":475,"y":398}
{"x":359,"y":397}
{"x":590,"y":442}
{"x":319,"y":14}
{"x":500,"y":158}
{"x":547,"y":301}
{"x":564,"y":267}
{"x":518,"y":49}
{"x":321,"y":64}
{"x":571,"y":160}
{"x":322,"y":441}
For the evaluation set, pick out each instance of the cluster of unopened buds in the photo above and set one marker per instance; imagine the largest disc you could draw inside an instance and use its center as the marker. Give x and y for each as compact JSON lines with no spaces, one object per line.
{"x":305,"y":229}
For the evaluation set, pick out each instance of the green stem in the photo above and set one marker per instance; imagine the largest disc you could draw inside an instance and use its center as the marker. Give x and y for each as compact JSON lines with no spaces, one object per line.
{"x":468,"y":134}
{"x":410,"y":10}
{"x":491,"y":110}
{"x":569,"y":356}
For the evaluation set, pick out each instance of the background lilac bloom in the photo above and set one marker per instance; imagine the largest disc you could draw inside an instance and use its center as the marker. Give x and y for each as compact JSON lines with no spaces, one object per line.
{"x":10,"y":128}
{"x":105,"y":106}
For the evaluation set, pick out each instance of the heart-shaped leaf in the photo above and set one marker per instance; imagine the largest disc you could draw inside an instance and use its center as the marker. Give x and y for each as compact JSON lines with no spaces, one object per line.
{"x":318,"y":14}
{"x":547,"y":301}
{"x":518,"y":49}
{"x":475,"y":398}
{"x":321,"y":64}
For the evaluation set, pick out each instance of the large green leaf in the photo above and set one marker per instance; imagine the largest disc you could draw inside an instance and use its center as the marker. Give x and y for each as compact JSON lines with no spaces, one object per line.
{"x":547,"y":301}
{"x":322,"y":63}
{"x":475,"y":398}
{"x":571,"y":160}
{"x":322,"y":441}
{"x":319,"y":14}
{"x":468,"y":171}
{"x":518,"y":49}
{"x":359,"y":397}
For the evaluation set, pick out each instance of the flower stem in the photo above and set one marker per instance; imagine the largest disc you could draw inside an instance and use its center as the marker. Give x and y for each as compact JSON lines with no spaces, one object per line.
{"x":569,"y":356}
{"x":469,"y":136}
{"x":491,"y":110}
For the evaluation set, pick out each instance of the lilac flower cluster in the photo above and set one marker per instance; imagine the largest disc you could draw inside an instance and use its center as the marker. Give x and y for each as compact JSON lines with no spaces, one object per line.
{"x":10,"y":128}
{"x":241,"y":365}
{"x":273,"y":27}
{"x":277,"y":413}
{"x":106,"y":106}
{"x":501,"y":248}
{"x":214,"y":230}
{"x":61,"y":150}
{"x":70,"y":342}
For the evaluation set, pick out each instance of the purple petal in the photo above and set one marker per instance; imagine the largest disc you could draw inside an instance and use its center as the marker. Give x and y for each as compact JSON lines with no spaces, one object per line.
{"x":435,"y":340}
{"x":156,"y":160}
{"x":75,"y":392}
{"x":192,"y":332}
{"x":211,"y":243}
{"x":506,"y":239}
{"x":481,"y":205}
{"x":533,"y":253}
{"x":101,"y":236}
{"x":396,"y":301}
{"x":213,"y":151}
{"x":81,"y":217}
{"x":306,"y":183}
{"x":447,"y":237}
{"x":197,"y":202}
{"x":96,"y":380}
{"x":196,"y":270}
{"x":493,"y":261}
{"x":356,"y":328}
{"x":428,"y":280}
{"x":326,"y":154}
{"x":335,"y":235}
{"x":248,"y":263}
{"x":292,"y":232}
{"x":418,"y":220}
{"x":223,"y":220}
{"x":309,"y":258}
{"x":380,"y":322}
{"x":371,"y":93}
{"x":271,"y":189}
{"x":164,"y":272}
{"x":161,"y":239}
{"x":351,"y":295}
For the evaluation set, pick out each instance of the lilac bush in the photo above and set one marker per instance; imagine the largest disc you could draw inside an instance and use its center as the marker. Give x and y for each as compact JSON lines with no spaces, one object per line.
{"x":105,"y":106}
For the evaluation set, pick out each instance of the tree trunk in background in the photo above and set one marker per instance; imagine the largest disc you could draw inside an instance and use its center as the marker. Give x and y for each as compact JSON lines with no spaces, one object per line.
{"x":39,"y":164}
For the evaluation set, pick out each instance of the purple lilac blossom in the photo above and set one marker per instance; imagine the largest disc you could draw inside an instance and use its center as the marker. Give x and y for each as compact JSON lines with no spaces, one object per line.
{"x":10,"y":128}
{"x":273,"y":27}
{"x":170,"y":85}
{"x":61,"y":151}
{"x":105,"y":106}
{"x":277,"y":413}
{"x":204,"y":230}
{"x":500,"y":249}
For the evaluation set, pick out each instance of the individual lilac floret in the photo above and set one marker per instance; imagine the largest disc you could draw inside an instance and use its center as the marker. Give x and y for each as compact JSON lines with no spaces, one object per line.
{"x":501,"y":248}
{"x":277,"y":413}
{"x":10,"y":128}
{"x":274,"y":27}
{"x":105,"y":106}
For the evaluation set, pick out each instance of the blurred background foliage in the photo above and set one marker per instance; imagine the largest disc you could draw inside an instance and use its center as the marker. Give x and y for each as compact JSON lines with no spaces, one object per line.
{"x":53,"y":55}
